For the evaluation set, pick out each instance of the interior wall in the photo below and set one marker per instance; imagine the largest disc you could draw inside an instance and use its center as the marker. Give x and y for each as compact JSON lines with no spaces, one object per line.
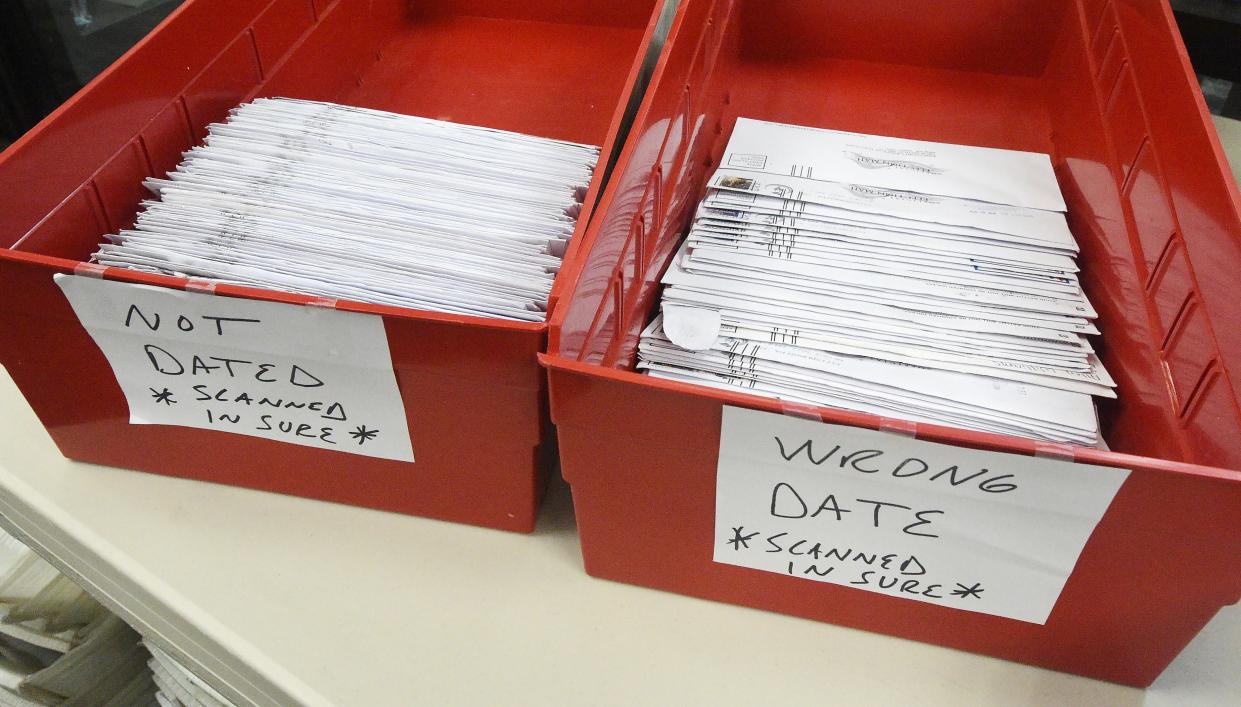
{"x":993,"y":36}
{"x":1141,"y":419}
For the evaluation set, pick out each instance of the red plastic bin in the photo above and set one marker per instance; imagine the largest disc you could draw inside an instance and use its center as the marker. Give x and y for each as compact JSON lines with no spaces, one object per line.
{"x":474,"y":393}
{"x":1105,"y":87}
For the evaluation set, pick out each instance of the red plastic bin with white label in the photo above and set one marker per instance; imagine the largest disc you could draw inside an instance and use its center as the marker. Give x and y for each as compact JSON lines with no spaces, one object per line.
{"x":474,"y":393}
{"x":1106,"y":88}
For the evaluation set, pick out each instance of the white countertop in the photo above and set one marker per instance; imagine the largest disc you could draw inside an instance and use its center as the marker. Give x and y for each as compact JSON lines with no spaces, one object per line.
{"x":276,"y":599}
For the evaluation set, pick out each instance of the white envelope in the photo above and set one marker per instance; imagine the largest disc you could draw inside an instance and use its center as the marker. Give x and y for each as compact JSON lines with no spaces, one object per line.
{"x":966,"y":172}
{"x":888,"y":209}
{"x":882,"y":260}
{"x":935,"y":392}
{"x":814,"y":277}
{"x":357,"y":204}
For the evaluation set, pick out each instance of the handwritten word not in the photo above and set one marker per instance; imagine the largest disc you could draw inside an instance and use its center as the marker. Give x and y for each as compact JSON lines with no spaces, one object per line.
{"x":183,"y":322}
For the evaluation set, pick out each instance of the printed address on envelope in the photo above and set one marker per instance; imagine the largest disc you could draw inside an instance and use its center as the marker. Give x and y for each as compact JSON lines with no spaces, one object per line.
{"x":979,"y":531}
{"x":312,"y":376}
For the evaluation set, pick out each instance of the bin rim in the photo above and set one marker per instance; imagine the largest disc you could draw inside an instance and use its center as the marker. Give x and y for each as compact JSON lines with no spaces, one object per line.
{"x":69,"y":267}
{"x":926,"y":432}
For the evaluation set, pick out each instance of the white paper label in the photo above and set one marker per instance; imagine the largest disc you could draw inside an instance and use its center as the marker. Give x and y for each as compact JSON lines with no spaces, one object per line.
{"x":981,"y":531}
{"x":305,"y":375}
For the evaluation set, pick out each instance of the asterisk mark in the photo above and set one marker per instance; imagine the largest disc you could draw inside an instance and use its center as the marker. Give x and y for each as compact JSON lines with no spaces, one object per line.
{"x":163,"y":396}
{"x":964,"y":591}
{"x":739,"y":540}
{"x":363,"y":435}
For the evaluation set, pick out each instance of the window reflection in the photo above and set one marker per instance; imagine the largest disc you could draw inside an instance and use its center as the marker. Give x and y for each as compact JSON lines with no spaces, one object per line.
{"x":51,"y":48}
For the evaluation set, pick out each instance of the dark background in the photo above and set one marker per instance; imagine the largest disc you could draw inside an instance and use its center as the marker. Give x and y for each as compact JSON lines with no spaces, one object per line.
{"x":51,"y":48}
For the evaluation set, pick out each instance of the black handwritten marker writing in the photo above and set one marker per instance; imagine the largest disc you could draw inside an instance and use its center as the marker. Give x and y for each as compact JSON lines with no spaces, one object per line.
{"x":363,"y":435}
{"x":900,"y":586}
{"x":198,"y":365}
{"x":882,"y":504}
{"x":161,"y":360}
{"x":223,"y":417}
{"x":331,"y":410}
{"x":163,"y":396}
{"x":830,"y":504}
{"x":242,"y":382}
{"x":184,"y":323}
{"x":165,"y":362}
{"x":219,"y":322}
{"x":922,"y":520}
{"x":975,"y":590}
{"x":295,"y":429}
{"x":301,"y":378}
{"x":739,"y":539}
{"x":808,"y":447}
{"x":787,"y":502}
{"x":782,"y":497}
{"x":890,"y":572}
{"x":152,"y":324}
{"x":912,"y":566}
{"x":871,"y":461}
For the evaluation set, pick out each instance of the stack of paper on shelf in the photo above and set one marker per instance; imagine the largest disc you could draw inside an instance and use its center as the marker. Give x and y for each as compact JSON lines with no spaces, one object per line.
{"x":349,"y":203}
{"x":58,"y":646}
{"x":931,"y":282}
{"x":178,"y":687}
{"x":107,"y":668}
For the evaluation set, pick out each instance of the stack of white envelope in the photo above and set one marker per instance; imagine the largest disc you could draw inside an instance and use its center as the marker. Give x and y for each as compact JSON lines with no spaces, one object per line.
{"x":349,"y":203}
{"x":925,"y":281}
{"x":60,"y":646}
{"x":177,"y":686}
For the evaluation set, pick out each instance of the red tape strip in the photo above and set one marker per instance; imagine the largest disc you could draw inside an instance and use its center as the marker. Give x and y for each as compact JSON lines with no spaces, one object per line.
{"x":206,"y":287}
{"x":806,"y":412}
{"x":905,"y":428}
{"x":1050,"y":450}
{"x":94,"y":270}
